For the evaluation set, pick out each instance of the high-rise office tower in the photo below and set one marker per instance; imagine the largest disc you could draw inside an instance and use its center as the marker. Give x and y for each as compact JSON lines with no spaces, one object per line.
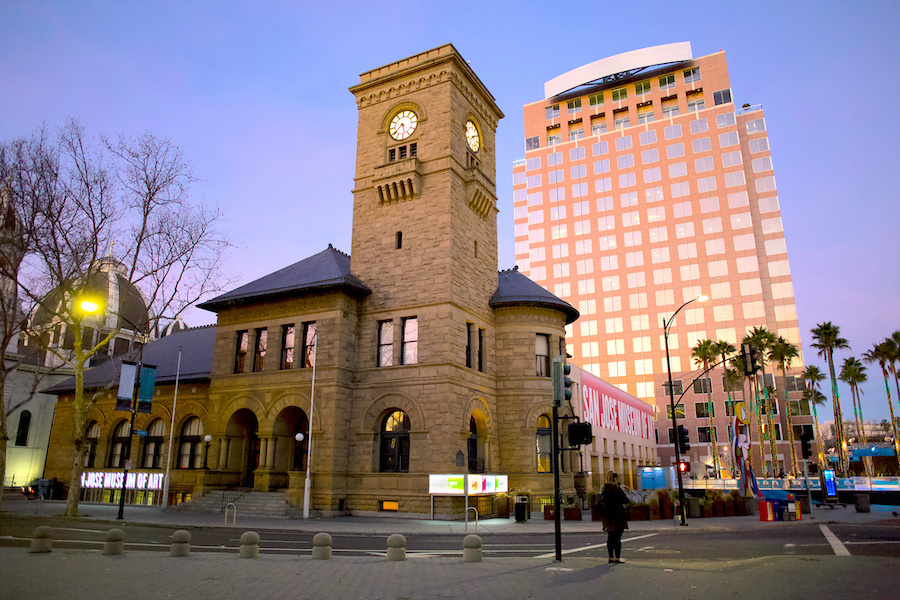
{"x":644,"y":186}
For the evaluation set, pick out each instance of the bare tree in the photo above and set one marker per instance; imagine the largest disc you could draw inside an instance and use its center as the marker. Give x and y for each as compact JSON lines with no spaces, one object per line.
{"x":125,"y":201}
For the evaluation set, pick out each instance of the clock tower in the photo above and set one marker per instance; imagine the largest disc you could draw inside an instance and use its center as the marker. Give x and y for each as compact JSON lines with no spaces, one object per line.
{"x":424,"y":208}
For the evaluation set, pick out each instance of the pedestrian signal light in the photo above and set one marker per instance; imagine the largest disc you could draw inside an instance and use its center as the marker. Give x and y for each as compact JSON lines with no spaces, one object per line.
{"x":580,"y":434}
{"x":684,"y":466}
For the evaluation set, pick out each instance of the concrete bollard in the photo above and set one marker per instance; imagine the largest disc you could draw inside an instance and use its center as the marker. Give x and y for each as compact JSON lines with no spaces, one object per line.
{"x":114,"y":543}
{"x":396,"y":547}
{"x":472,"y":548}
{"x":41,"y":540}
{"x":181,"y":543}
{"x":321,"y":547}
{"x":250,"y":545}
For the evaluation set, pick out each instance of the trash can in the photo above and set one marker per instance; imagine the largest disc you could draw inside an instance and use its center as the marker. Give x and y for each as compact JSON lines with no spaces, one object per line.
{"x":521,"y":508}
{"x":862,"y":502}
{"x":766,"y":510}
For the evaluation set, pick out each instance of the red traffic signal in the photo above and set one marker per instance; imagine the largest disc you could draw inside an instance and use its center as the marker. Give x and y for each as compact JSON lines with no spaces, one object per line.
{"x":684,"y":466}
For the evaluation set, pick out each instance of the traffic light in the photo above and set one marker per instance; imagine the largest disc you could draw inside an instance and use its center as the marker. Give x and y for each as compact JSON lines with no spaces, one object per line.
{"x":684,"y":467}
{"x":580,"y":434}
{"x":562,"y":385}
{"x":805,"y":445}
{"x":751,"y":364}
{"x":684,"y":440}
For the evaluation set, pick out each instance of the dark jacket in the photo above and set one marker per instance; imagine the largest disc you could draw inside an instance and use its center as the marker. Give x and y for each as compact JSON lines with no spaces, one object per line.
{"x":615,"y":515}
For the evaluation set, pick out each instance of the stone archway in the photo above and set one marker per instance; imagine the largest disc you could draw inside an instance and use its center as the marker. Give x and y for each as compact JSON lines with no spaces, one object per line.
{"x":289,"y":454}
{"x":243,"y":449}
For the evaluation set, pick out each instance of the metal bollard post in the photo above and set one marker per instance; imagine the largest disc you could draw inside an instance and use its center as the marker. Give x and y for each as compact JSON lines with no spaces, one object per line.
{"x":250,"y":545}
{"x":321,"y":546}
{"x":41,"y":540}
{"x":396,"y":547}
{"x":181,"y":543}
{"x":472,"y":548}
{"x":114,"y":543}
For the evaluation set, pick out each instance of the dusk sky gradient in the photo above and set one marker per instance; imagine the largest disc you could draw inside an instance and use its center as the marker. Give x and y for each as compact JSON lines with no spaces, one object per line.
{"x":256,"y":95}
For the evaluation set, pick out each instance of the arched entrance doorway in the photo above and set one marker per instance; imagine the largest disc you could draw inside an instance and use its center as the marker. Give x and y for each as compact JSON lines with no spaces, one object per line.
{"x":290,"y":454}
{"x":243,"y":445}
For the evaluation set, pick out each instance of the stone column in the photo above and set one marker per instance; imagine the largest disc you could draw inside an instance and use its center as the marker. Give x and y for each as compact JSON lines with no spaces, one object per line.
{"x":270,"y":455}
{"x":223,"y":454}
{"x":263,"y":452}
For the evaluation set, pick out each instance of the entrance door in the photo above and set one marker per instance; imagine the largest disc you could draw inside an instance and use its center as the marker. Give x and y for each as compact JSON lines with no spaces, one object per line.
{"x":252,"y":459}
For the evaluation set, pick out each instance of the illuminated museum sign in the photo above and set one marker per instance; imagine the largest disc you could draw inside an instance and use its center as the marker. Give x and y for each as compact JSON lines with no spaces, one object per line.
{"x":113,"y":480}
{"x":455,"y":485}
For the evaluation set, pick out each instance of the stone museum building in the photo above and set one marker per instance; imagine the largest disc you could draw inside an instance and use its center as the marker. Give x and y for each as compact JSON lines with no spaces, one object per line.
{"x":413,"y":358}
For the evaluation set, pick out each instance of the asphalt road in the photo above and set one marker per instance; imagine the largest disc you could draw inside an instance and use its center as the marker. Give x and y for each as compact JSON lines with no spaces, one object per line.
{"x":806,"y":539}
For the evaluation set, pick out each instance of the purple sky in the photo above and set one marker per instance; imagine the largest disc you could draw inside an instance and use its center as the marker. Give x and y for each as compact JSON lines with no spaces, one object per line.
{"x":256,"y":94}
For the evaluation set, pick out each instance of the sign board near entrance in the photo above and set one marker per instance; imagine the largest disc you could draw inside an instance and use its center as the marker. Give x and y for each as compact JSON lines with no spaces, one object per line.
{"x":454,"y":485}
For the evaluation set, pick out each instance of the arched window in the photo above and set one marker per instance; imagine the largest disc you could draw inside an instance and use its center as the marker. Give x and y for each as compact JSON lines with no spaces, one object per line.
{"x":91,"y":437}
{"x":24,"y":427}
{"x":475,"y":465}
{"x":190,"y":444}
{"x":153,"y":445}
{"x":395,"y":443}
{"x":121,"y":435}
{"x":543,"y":445}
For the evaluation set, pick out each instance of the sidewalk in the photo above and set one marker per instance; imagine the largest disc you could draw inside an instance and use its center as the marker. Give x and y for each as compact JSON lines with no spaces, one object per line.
{"x":389,"y":525}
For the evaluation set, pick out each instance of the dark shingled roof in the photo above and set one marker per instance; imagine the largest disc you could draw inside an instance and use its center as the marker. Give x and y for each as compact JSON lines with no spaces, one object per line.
{"x":327,"y":269}
{"x":196,"y":361}
{"x":517,"y":290}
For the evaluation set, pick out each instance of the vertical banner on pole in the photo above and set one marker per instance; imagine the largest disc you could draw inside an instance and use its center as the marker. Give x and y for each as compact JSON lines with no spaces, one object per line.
{"x":145,"y":392}
{"x":127,"y":377}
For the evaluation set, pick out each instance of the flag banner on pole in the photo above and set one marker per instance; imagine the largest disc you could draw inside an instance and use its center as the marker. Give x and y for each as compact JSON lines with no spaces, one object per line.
{"x":145,"y":392}
{"x":127,"y":377}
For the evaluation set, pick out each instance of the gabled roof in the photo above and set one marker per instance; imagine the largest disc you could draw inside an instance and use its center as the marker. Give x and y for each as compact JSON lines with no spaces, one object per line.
{"x":196,"y":347}
{"x":327,"y":269}
{"x":515,"y":289}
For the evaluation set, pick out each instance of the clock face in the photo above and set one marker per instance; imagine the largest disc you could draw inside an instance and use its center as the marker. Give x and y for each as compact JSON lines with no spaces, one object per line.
{"x":472,"y":137}
{"x":403,"y":124}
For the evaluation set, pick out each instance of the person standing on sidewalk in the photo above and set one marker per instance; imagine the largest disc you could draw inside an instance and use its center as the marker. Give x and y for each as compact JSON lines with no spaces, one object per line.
{"x":615,"y":517}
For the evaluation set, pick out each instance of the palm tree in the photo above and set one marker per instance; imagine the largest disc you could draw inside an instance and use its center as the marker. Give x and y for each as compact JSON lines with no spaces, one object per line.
{"x":705,"y":354}
{"x":827,"y":338}
{"x":814,"y":377}
{"x":853,"y":373}
{"x":783,"y":353}
{"x":762,"y":339}
{"x":893,"y":343}
{"x":723,"y":349}
{"x":883,"y":354}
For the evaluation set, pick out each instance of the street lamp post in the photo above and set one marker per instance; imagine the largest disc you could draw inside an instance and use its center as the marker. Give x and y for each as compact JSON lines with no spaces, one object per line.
{"x":208,"y":439}
{"x":666,"y":326}
{"x":134,"y":406}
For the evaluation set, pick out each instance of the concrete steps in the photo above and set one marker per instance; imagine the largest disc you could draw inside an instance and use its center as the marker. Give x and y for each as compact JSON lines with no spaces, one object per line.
{"x":269,"y":505}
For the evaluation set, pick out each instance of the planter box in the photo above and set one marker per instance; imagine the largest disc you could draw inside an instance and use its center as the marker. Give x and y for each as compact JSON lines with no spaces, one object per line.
{"x":549,"y":513}
{"x":654,"y":512}
{"x":707,"y":510}
{"x":640,"y":512}
{"x":729,"y":508}
{"x":718,"y":507}
{"x":740,"y":507}
{"x":572,"y":513}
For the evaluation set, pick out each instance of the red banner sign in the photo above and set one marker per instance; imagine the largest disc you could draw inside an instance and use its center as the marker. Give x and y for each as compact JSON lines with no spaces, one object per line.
{"x":608,"y":407}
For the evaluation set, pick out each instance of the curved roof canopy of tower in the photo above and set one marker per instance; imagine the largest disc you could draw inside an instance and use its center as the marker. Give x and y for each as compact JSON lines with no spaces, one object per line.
{"x":614,"y":68}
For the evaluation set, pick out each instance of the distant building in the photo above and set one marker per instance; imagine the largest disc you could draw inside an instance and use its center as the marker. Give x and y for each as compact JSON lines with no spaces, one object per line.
{"x":644,"y":186}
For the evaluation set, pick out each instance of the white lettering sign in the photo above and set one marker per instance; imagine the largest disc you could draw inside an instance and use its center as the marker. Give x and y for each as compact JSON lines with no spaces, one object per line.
{"x":113,"y":480}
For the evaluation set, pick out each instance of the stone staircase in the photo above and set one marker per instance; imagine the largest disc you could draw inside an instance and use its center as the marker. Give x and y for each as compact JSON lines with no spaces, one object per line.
{"x":268,"y":505}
